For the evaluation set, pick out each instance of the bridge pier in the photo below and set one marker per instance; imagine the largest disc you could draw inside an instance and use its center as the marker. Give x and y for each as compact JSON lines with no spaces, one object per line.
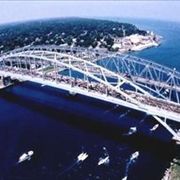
{"x":5,"y":82}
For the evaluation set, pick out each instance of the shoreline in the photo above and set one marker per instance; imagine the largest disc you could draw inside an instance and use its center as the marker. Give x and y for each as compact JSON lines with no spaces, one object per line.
{"x":137,"y":42}
{"x":173,"y":172}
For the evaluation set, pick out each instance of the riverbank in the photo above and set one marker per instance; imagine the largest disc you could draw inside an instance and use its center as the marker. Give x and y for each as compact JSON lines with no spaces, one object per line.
{"x":173,"y":172}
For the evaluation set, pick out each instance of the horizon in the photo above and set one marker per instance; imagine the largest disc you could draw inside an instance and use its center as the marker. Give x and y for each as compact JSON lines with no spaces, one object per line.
{"x":30,"y":10}
{"x":108,"y":18}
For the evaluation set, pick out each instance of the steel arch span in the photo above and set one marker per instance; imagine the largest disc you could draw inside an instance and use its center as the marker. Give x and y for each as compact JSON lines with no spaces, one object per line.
{"x":87,"y":74}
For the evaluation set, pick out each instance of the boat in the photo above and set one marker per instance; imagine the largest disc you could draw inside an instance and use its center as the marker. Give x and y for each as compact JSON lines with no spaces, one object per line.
{"x":25,"y":156}
{"x":104,"y":161}
{"x":154,"y":127}
{"x":82,"y":156}
{"x":134,"y":155}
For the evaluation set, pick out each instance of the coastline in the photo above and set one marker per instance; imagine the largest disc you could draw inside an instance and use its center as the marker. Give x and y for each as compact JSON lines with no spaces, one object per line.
{"x":137,"y":42}
{"x":173,"y":172}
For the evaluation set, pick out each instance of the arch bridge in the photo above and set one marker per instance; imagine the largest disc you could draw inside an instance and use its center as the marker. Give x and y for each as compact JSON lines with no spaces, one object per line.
{"x":120,"y":79}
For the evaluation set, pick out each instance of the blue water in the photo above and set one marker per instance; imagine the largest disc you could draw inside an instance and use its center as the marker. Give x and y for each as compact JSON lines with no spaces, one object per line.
{"x":58,"y":127}
{"x":168,"y":51}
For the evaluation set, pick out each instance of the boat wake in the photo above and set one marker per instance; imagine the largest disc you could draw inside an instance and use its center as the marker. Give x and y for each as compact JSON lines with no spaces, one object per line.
{"x":115,"y":107}
{"x":134,"y":156}
{"x":124,"y":114}
{"x":104,"y":160}
{"x":80,"y":158}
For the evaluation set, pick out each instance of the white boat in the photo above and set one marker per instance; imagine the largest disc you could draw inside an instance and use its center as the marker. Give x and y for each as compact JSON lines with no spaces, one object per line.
{"x":125,"y":178}
{"x":134,"y":156}
{"x":25,"y":156}
{"x":103,"y":161}
{"x":131,"y":131}
{"x":154,"y":127}
{"x":82,"y":156}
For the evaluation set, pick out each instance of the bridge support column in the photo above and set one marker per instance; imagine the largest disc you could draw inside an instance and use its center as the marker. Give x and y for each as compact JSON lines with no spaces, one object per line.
{"x":5,"y":82}
{"x":1,"y":82}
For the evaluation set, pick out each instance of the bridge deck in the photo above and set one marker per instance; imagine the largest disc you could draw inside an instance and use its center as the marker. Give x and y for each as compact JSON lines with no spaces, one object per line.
{"x":155,"y":83}
{"x":100,"y":88}
{"x":141,"y":80}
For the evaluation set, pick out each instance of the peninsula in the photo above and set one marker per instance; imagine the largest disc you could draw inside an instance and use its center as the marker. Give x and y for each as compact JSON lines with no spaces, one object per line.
{"x":83,"y":32}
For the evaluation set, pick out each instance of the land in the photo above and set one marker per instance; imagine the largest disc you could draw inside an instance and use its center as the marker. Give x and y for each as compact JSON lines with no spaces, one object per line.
{"x":173,"y":172}
{"x":83,"y":32}
{"x":136,"y":42}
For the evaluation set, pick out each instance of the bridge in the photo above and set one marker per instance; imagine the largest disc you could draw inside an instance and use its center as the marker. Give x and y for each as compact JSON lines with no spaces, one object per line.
{"x":117,"y":78}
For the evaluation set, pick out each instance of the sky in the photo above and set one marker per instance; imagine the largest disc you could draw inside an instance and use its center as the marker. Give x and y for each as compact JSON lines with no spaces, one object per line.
{"x":13,"y":11}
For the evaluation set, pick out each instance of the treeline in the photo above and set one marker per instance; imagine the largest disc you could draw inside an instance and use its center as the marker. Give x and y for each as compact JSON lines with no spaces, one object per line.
{"x":72,"y":31}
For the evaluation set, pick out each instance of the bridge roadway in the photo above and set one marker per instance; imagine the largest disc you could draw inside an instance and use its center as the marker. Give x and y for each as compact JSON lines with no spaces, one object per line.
{"x":158,"y":104}
{"x":155,"y":83}
{"x":158,"y":85}
{"x":141,"y":80}
{"x":136,"y":79}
